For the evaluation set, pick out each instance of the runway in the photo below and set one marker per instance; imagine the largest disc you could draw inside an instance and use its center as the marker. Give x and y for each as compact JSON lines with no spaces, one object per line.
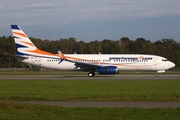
{"x":106,"y":104}
{"x":81,"y":77}
{"x":94,"y":103}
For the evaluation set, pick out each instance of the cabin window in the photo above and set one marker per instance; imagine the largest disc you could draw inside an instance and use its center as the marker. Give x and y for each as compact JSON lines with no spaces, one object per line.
{"x":164,"y":60}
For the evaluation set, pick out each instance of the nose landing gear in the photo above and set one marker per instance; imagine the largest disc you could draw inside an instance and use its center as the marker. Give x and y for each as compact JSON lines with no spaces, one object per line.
{"x":157,"y":75}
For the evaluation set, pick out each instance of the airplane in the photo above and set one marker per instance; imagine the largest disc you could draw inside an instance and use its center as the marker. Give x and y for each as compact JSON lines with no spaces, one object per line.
{"x":110,"y":64}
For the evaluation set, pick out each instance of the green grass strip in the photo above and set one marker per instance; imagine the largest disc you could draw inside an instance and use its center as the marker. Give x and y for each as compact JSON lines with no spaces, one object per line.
{"x":90,"y":90}
{"x":10,"y":111}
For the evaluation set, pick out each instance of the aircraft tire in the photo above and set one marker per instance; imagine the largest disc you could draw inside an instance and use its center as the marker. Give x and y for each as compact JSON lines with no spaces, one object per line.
{"x":157,"y":75}
{"x":91,"y":74}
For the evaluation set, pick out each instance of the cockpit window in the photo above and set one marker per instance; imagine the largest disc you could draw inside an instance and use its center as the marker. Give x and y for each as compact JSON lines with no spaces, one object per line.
{"x":164,"y":60}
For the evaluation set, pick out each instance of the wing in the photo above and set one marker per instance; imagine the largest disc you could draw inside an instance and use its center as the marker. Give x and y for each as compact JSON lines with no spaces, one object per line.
{"x":80,"y":64}
{"x":83,"y":64}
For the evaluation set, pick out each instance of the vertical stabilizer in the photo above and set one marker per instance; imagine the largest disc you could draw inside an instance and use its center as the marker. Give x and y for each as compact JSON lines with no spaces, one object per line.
{"x":23,"y":43}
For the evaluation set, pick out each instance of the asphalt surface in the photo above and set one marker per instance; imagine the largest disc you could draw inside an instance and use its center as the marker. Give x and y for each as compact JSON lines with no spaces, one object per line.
{"x":108,"y":104}
{"x":103,"y":77}
{"x":99,"y":104}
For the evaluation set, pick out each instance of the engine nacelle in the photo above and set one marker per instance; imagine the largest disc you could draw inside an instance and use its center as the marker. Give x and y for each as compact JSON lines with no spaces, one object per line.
{"x":108,"y":70}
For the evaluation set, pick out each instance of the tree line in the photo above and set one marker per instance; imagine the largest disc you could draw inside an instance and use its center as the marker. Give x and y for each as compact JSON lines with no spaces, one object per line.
{"x":167,"y":48}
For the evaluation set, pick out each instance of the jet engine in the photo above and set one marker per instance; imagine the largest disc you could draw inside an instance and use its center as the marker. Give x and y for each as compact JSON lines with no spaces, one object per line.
{"x":108,"y":70}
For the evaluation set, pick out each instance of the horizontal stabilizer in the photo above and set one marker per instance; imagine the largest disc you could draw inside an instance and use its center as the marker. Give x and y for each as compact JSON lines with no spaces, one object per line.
{"x":16,"y":55}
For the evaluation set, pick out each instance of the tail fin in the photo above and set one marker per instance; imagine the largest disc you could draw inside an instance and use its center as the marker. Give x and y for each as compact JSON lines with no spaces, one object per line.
{"x":23,"y":43}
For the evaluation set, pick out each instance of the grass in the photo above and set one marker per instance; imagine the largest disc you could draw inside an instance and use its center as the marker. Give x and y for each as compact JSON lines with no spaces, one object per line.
{"x":86,"y":90}
{"x":9,"y":111}
{"x":90,"y":90}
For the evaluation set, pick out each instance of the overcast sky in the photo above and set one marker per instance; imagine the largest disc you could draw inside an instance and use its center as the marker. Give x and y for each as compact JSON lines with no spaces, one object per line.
{"x":90,"y":20}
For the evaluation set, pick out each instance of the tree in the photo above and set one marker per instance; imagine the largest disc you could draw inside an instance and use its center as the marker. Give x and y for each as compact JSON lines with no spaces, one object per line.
{"x":111,"y":47}
{"x":82,"y":47}
{"x":94,"y":47}
{"x":167,"y":48}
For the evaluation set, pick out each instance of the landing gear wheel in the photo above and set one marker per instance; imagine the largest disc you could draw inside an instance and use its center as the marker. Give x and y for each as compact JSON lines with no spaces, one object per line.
{"x":157,"y":75}
{"x":91,"y":74}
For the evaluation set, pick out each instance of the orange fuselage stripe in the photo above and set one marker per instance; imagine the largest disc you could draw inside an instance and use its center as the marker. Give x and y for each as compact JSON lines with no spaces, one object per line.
{"x":42,"y":52}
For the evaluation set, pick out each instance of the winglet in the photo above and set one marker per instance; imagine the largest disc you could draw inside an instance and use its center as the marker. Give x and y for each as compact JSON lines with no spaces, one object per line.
{"x":61,"y":55}
{"x":74,"y":52}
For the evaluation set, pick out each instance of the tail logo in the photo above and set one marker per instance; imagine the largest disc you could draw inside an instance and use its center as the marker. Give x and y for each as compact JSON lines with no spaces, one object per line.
{"x":23,"y":43}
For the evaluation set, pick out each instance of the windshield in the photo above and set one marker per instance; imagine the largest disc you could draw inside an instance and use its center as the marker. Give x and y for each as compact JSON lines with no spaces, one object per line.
{"x":164,"y":60}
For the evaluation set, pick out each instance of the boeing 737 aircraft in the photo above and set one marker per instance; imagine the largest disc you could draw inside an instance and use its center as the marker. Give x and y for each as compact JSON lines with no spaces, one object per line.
{"x":28,"y":53}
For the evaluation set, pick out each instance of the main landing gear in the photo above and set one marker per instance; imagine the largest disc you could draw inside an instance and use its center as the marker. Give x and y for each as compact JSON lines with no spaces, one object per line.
{"x":91,"y":74}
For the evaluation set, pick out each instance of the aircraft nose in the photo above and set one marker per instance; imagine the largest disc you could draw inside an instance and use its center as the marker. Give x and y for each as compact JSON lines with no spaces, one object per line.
{"x":171,"y":64}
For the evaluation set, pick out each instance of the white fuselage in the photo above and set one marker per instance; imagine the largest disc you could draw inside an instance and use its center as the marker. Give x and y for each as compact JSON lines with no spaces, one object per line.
{"x":121,"y":61}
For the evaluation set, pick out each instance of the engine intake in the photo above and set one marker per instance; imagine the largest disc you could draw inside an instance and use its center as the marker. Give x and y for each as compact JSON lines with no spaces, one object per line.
{"x":108,"y":70}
